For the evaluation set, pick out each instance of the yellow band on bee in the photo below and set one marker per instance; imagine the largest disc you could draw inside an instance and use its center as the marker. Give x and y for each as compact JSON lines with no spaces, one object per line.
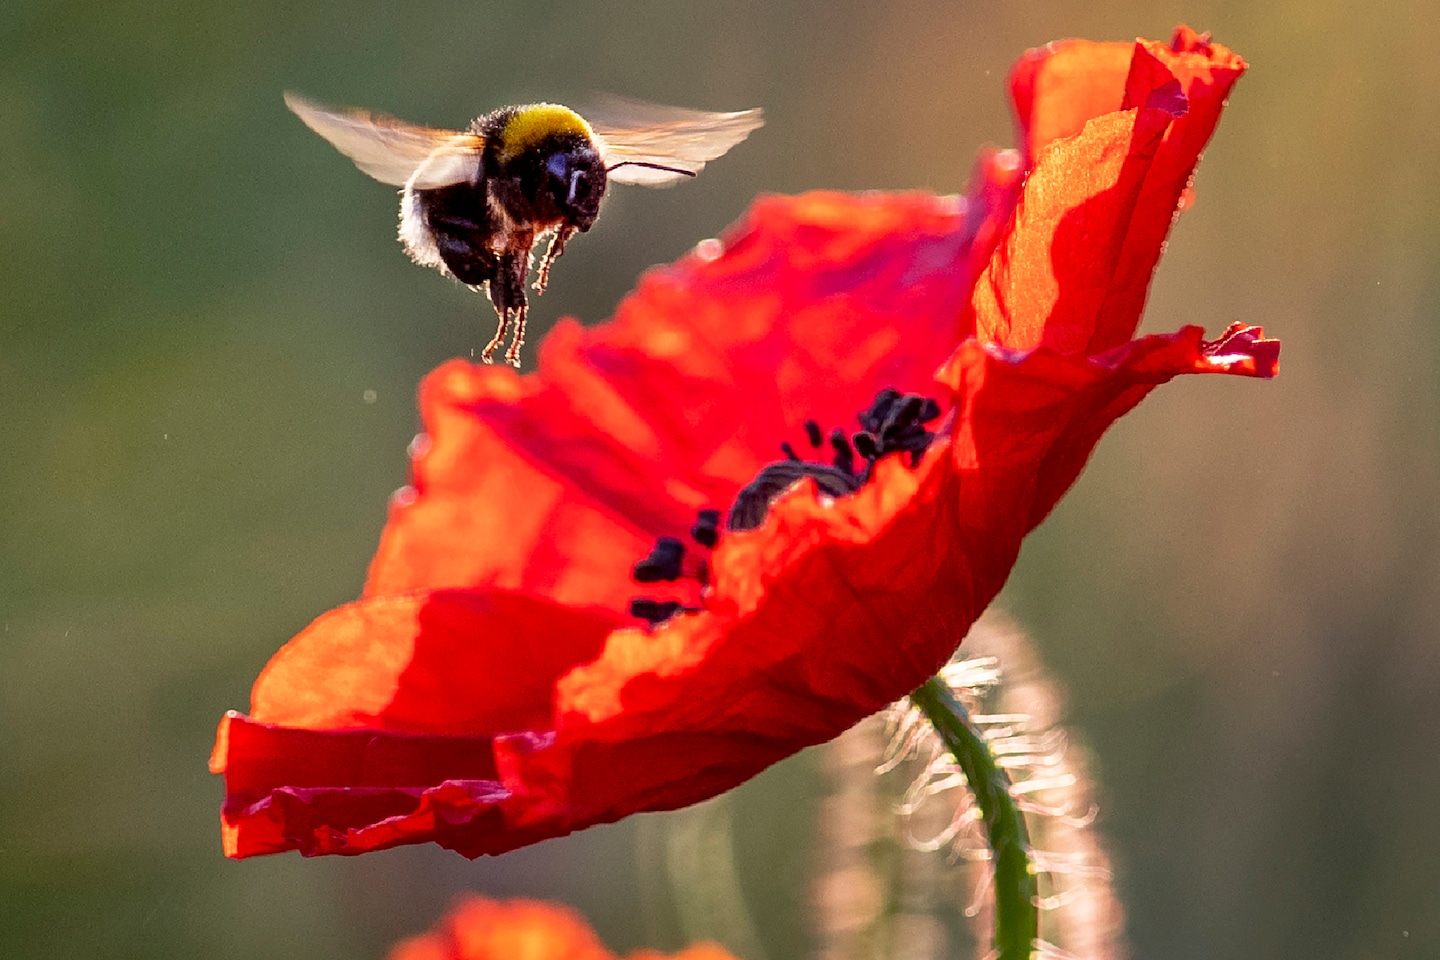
{"x":530,"y":125}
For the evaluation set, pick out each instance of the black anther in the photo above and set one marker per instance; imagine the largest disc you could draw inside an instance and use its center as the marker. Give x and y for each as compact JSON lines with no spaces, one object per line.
{"x":844,"y":454}
{"x":706,"y":530}
{"x":753,"y":501}
{"x":903,"y":412}
{"x":894,"y":423}
{"x":662,"y":564}
{"x":813,"y":434}
{"x":873,"y":420}
{"x":655,"y":611}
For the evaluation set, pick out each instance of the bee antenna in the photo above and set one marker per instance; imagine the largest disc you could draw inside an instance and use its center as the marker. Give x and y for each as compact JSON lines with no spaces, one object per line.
{"x":652,"y":166}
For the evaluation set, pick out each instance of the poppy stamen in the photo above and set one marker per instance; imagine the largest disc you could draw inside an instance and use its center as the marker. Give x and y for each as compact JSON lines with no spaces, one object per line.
{"x":813,"y":434}
{"x":844,"y":453}
{"x":706,"y":530}
{"x":667,"y":563}
{"x":753,"y":501}
{"x":655,"y":611}
{"x":894,"y":423}
{"x":663,"y":564}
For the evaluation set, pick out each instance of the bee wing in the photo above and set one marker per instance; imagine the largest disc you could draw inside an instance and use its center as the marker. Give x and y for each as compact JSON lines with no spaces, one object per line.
{"x":653,"y":145}
{"x":393,"y":151}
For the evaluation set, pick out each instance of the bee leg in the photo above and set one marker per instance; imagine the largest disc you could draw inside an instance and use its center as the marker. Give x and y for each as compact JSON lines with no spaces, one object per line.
{"x":558,"y":240}
{"x":502,"y":327}
{"x":509,"y":286}
{"x":512,"y":356}
{"x":502,"y":297}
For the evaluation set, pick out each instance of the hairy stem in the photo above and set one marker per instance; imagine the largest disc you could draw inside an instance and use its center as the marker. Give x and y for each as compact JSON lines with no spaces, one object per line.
{"x":1017,"y":918}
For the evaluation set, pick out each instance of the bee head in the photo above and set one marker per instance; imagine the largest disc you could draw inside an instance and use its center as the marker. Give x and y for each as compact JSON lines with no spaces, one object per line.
{"x":575,"y":182}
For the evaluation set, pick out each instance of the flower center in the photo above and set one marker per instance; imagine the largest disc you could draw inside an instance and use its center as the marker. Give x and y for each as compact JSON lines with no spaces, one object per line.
{"x":894,"y":423}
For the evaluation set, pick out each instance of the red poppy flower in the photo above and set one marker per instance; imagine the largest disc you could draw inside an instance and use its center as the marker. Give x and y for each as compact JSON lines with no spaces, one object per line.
{"x":494,"y":687}
{"x":481,"y":929}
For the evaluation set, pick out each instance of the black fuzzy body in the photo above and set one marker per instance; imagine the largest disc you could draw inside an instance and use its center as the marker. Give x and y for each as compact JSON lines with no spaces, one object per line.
{"x":484,"y":230}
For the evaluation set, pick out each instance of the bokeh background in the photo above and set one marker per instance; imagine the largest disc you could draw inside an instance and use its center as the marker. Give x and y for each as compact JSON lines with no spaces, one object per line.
{"x":210,"y":342}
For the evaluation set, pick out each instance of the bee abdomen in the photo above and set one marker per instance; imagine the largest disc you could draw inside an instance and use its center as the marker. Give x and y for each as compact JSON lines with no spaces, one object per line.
{"x":451,"y":228}
{"x":415,"y":232}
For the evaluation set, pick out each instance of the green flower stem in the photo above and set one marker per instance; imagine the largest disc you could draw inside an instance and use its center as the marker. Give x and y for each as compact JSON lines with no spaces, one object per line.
{"x":1017,"y":919}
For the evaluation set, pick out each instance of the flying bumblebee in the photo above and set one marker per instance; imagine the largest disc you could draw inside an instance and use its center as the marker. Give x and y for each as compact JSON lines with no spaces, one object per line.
{"x":476,"y":202}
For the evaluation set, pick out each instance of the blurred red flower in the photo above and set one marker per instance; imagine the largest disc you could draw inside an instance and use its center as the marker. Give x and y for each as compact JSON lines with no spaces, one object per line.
{"x":481,"y":929}
{"x":491,"y":687}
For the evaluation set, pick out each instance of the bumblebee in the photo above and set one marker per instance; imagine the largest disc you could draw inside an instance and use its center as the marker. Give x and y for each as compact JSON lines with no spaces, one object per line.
{"x":475,"y":203}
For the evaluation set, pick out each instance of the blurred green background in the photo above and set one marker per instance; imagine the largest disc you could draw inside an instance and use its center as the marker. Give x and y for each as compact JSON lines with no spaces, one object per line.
{"x":198,"y":295}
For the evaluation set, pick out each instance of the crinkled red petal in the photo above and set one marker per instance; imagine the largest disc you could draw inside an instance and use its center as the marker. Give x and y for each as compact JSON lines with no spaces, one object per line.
{"x":1060,"y":87}
{"x":555,"y":483}
{"x":825,"y":613}
{"x":1070,"y":98}
{"x":1077,"y":410}
{"x":436,"y":662}
{"x":1050,"y":276}
{"x":1204,"y":72}
{"x":832,"y":609}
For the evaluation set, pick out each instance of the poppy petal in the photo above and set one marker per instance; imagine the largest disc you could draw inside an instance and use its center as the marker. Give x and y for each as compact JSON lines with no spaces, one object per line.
{"x":1205,"y":73}
{"x":547,"y":483}
{"x":477,"y":928}
{"x":833,"y":608}
{"x":481,"y":929}
{"x":1074,"y":273}
{"x":1059,"y":90}
{"x":1060,"y":87}
{"x":352,"y":791}
{"x":1097,"y":391}
{"x":1050,"y":277}
{"x":437,"y":662}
